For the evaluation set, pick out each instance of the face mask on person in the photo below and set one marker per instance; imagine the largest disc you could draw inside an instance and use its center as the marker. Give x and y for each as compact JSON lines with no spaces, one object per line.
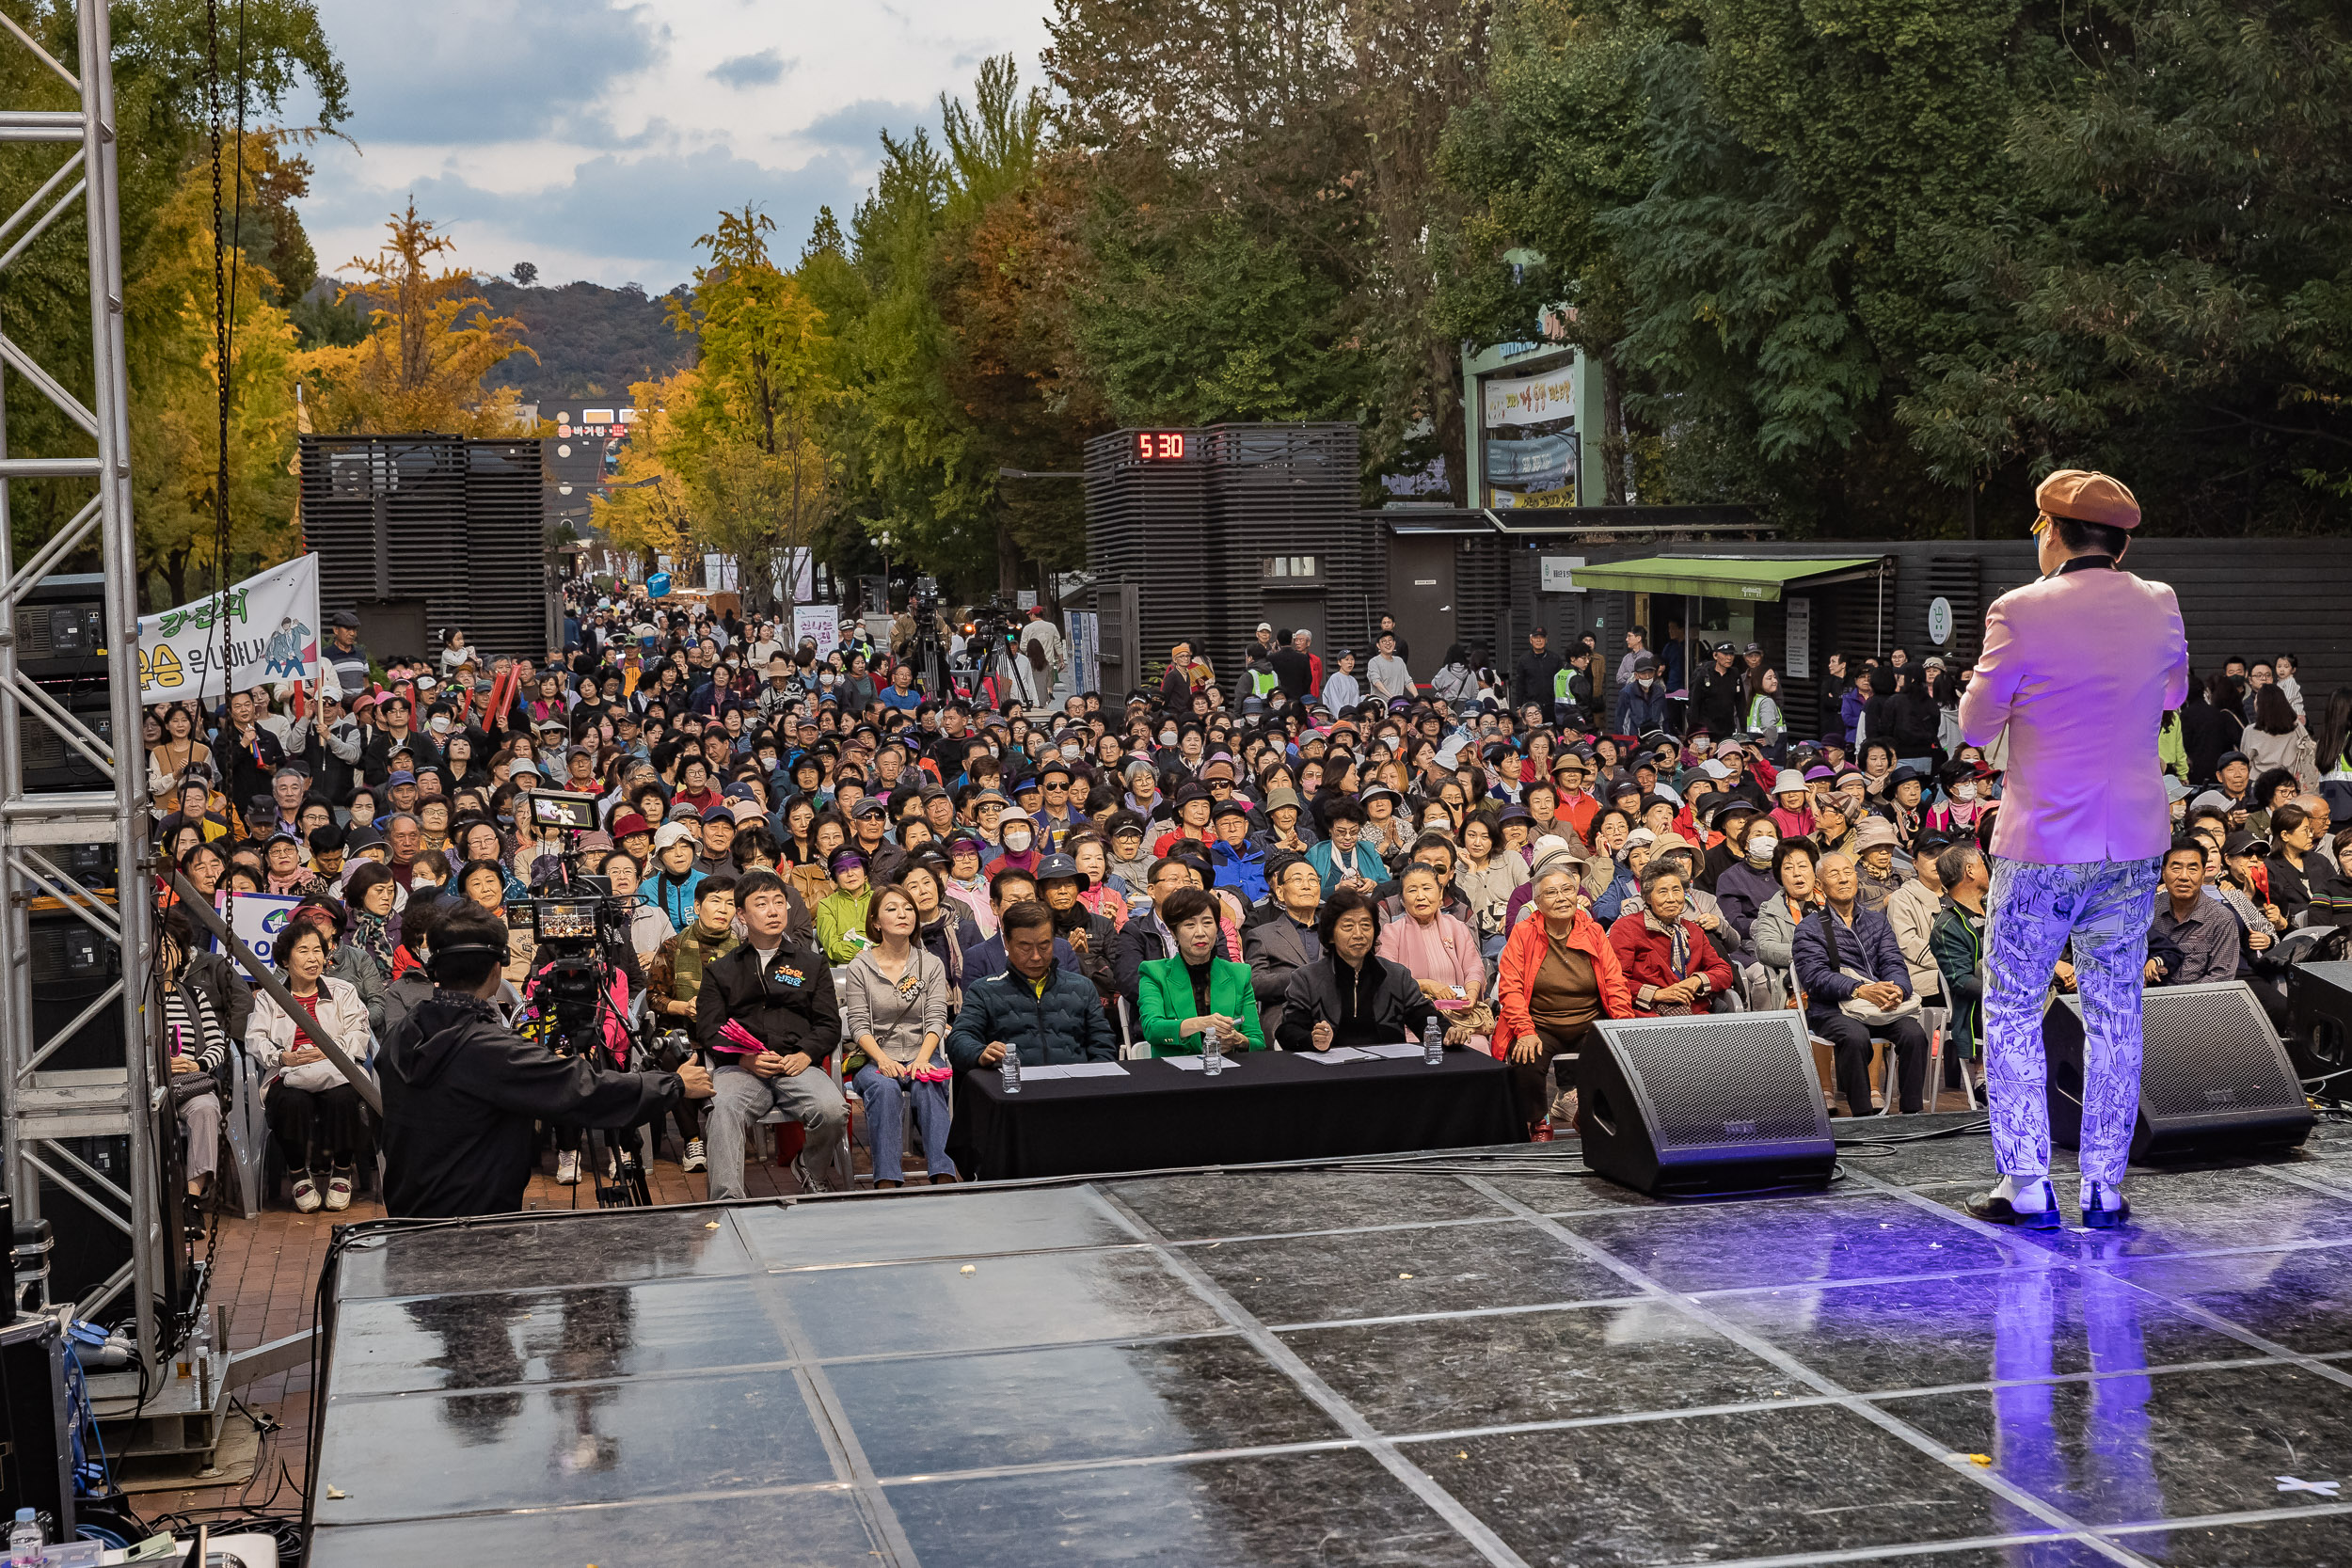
{"x":1070,"y":751}
{"x":1963,"y":793}
{"x":441,"y":723}
{"x":1017,"y":840}
{"x":1168,"y":737}
{"x":1760,"y":848}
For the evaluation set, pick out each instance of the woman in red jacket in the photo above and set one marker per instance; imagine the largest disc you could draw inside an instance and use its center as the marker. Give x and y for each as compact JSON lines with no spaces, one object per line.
{"x":1559,"y":975}
{"x":1669,"y":962}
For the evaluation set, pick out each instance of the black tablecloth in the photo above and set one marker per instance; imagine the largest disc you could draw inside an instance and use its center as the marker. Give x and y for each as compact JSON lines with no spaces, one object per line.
{"x":1269,"y":1105}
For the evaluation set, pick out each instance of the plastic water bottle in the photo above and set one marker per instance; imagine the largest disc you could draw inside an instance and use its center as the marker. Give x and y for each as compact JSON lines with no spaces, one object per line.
{"x":1433,"y":1041}
{"x":24,"y":1548}
{"x":1010,"y":1067}
{"x":1212,"y":1057}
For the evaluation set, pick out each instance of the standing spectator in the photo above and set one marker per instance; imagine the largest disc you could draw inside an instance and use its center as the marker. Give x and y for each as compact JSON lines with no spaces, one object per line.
{"x":1715,"y":702}
{"x":1390,"y":679}
{"x":1340,"y":691}
{"x":1535,"y":675}
{"x":346,"y":657}
{"x":1295,"y":667}
{"x":2277,"y":738}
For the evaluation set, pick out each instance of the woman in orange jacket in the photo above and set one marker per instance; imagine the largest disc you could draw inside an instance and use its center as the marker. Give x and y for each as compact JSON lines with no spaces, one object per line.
{"x":1559,"y":975}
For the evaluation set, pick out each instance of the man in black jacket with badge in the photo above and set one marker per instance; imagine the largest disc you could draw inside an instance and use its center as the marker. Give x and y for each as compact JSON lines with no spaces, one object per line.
{"x":462,"y":1091}
{"x":778,"y":989}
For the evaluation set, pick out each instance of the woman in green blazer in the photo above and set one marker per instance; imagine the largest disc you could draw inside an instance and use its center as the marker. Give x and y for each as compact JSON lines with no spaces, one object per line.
{"x":1185,"y":996}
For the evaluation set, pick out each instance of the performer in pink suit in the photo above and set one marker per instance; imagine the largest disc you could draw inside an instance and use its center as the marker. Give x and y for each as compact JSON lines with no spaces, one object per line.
{"x":2079,"y":668}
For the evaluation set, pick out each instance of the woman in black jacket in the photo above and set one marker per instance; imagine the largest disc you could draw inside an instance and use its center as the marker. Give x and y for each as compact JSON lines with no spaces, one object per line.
{"x":1351,"y":995}
{"x":1915,"y":719}
{"x":2209,"y":726}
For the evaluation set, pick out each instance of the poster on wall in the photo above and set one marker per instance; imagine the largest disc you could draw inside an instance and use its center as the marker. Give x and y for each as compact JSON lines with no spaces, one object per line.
{"x":1559,"y":574}
{"x":820,"y":624}
{"x":1086,"y":651}
{"x":1530,"y":439}
{"x":1800,"y":662}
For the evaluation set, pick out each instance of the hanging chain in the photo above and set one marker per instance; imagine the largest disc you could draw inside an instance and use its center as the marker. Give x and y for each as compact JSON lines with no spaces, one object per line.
{"x":220,"y":299}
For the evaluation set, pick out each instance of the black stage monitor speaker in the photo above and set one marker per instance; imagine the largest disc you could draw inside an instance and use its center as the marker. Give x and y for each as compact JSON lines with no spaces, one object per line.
{"x":37,"y":1458}
{"x":1690,"y":1107}
{"x":2319,"y":1026}
{"x":2214,"y":1078}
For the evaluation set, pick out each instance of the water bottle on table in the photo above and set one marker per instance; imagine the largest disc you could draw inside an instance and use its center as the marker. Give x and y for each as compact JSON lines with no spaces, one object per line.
{"x":1212,"y":1054}
{"x":1010,"y":1068}
{"x":1433,"y":1041}
{"x":24,"y":1545}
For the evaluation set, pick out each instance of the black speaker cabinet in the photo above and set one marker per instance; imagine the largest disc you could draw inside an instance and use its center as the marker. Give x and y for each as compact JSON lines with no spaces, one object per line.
{"x":53,"y":765}
{"x":71,"y":965}
{"x":37,"y":1459}
{"x":88,"y":1248}
{"x":2214,"y":1078}
{"x":1689,"y":1107}
{"x":2319,"y":1026}
{"x":61,"y":629}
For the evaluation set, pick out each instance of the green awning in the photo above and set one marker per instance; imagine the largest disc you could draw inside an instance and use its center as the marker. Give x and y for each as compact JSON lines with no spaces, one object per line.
{"x":1718,"y":577}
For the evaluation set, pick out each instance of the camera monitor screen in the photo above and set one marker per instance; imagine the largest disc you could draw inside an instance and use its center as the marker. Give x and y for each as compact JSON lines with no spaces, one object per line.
{"x":567,"y":919}
{"x":561,"y":809}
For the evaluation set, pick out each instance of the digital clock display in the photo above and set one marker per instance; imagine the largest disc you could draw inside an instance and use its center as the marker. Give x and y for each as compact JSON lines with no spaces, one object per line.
{"x":1156,"y":446}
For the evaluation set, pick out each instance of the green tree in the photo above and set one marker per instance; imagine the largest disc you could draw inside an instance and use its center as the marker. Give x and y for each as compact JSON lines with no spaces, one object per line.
{"x":159,"y":74}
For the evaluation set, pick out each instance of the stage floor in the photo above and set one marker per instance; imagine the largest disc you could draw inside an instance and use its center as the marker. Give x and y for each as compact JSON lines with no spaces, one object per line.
{"x":1477,"y":1361}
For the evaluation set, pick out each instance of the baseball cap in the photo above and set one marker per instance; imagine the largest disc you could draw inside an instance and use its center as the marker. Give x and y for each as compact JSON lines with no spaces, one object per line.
{"x":671,"y":833}
{"x":1052,"y":866}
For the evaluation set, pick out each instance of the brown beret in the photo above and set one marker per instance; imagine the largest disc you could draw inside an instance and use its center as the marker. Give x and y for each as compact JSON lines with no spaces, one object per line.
{"x":2088,"y":498}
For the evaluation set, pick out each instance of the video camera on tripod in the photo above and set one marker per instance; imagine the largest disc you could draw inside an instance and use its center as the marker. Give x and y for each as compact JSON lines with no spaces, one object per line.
{"x":575,"y":926}
{"x":990,"y":641}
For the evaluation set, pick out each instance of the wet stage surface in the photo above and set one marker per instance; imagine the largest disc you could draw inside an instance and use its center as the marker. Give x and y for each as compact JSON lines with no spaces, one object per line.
{"x":1464,"y":1360}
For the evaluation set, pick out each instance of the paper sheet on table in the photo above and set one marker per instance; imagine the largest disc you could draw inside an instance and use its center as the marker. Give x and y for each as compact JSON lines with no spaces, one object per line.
{"x":1337,"y":1054}
{"x":1397,"y":1050}
{"x":1183,"y":1064}
{"x":1075,"y":1069}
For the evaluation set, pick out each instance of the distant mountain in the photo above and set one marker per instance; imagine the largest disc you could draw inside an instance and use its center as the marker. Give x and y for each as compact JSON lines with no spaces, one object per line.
{"x":592,"y":341}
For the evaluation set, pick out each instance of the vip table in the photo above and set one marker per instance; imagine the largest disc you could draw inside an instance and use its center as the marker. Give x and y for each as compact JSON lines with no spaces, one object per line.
{"x":1156,"y":1113}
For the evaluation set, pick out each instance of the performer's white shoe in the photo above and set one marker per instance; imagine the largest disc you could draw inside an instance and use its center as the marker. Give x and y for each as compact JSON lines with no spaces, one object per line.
{"x":2031,"y":1204}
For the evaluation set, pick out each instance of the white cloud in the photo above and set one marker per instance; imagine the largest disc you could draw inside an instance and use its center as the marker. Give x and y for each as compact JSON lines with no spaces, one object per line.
{"x":600,"y":138}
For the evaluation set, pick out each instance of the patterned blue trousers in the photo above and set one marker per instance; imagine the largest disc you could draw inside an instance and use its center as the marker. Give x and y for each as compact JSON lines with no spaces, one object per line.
{"x":2103,"y":909}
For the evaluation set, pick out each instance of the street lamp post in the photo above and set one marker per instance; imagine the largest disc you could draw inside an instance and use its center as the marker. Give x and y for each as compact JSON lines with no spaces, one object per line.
{"x":883,"y":539}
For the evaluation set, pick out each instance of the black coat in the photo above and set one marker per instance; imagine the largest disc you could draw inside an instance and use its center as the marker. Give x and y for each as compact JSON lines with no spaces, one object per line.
{"x":462,"y":1096}
{"x":1531,"y":680}
{"x":1275,"y":948}
{"x":1296,"y":672}
{"x":1398,"y":1009}
{"x":1715,"y":701}
{"x":787,"y":1006}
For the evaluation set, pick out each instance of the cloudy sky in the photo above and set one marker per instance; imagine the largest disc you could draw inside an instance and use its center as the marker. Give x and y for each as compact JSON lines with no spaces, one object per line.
{"x":598,"y":139}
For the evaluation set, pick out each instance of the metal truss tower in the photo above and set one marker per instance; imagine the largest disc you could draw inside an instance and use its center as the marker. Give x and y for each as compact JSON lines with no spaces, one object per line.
{"x":56,"y":1119}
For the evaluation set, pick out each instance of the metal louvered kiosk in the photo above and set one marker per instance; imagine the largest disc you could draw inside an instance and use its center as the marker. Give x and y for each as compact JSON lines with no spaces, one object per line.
{"x":414,"y":533}
{"x":1199,"y":534}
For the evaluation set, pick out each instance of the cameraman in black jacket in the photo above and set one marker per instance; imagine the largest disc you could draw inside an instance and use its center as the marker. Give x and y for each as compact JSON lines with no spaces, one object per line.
{"x":462,"y":1091}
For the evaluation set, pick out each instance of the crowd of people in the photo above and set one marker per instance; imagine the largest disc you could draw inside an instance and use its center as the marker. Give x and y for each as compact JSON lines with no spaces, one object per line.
{"x":843,"y":883}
